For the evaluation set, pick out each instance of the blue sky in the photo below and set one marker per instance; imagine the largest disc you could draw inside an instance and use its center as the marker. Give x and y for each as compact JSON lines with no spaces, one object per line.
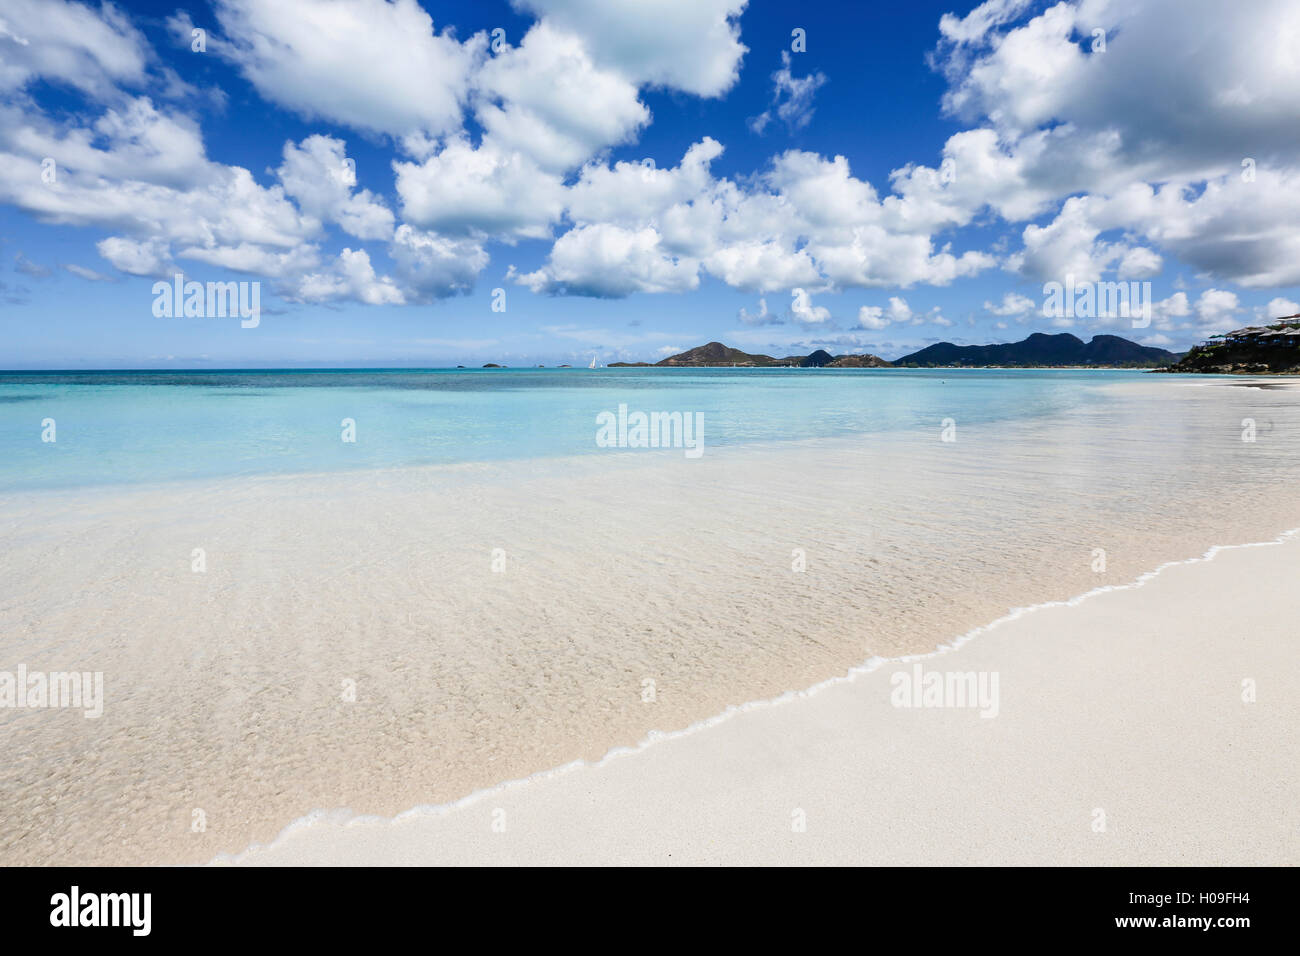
{"x":638,"y":177}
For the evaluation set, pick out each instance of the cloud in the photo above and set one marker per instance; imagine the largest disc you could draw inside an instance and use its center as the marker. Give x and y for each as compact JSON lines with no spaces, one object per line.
{"x":70,"y":44}
{"x":629,"y":193}
{"x":1216,"y":305}
{"x":792,"y":97}
{"x":252,"y":259}
{"x":688,"y":45}
{"x":90,"y":275}
{"x":975,"y":26}
{"x":1213,"y":311}
{"x":1215,"y":127}
{"x":351,"y":276}
{"x":375,"y":65}
{"x":606,"y":261}
{"x":435,"y":266}
{"x":1066,"y":246}
{"x":872,"y":317}
{"x":1139,"y":263}
{"x":137,"y":258}
{"x":568,"y":89}
{"x":320,"y":176}
{"x":28,"y":268}
{"x":1013,"y":305}
{"x":1279,"y":308}
{"x":131,"y":140}
{"x":118,"y":175}
{"x":805,"y":221}
{"x":898,"y":312}
{"x":762,"y":266}
{"x":804,"y":312}
{"x":143,"y":174}
{"x":761,"y":317}
{"x":1236,"y":230}
{"x":1212,"y":78}
{"x":547,"y":100}
{"x":1068,"y":169}
{"x":1176,"y":306}
{"x":480,"y":192}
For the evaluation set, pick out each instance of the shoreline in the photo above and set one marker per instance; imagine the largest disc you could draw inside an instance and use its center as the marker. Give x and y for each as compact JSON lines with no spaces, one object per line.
{"x":330,"y":837}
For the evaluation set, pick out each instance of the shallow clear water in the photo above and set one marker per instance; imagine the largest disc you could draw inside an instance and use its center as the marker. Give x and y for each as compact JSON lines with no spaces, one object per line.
{"x":127,"y":427}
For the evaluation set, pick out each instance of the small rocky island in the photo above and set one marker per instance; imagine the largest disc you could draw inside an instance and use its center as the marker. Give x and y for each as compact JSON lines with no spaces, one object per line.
{"x":1272,"y":349}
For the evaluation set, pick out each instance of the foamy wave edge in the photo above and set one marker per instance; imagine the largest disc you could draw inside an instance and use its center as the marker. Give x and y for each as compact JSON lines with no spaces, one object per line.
{"x":345,"y":817}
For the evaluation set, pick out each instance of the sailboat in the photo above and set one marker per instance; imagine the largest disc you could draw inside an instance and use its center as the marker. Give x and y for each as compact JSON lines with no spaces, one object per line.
{"x":593,"y":362}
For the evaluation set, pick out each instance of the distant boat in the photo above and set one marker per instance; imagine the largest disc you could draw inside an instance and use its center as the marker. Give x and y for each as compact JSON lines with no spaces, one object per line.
{"x":593,"y":362}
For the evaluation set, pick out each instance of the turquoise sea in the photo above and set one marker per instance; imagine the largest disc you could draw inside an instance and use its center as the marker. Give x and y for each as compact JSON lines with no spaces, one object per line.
{"x":147,"y":426}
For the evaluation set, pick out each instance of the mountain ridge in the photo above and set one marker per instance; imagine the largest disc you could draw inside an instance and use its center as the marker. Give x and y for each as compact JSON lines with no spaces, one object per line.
{"x":717,"y":355}
{"x":1039,"y":350}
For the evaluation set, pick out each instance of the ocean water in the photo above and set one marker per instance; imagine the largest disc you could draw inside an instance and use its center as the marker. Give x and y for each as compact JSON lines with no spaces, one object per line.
{"x":131,"y":427}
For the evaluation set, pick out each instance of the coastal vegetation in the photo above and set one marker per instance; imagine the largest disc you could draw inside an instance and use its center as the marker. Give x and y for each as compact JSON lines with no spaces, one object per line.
{"x":1272,"y":349}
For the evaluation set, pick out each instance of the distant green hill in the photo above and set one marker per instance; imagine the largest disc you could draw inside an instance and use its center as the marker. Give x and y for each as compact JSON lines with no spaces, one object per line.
{"x":1041,"y":350}
{"x":717,"y":355}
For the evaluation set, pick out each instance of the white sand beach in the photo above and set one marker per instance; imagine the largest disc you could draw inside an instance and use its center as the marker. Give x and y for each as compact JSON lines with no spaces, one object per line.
{"x":1122,"y":737}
